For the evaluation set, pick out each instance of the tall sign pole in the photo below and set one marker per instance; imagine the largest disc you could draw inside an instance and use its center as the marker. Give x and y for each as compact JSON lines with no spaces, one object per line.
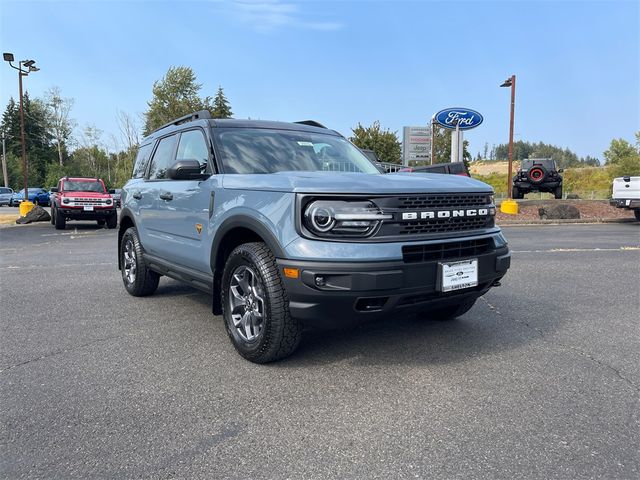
{"x":433,"y":141}
{"x":25,"y":172}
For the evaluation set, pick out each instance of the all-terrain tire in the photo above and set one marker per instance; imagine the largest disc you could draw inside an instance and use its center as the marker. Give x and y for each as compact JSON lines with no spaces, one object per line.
{"x":60,"y":222}
{"x":449,"y":313}
{"x":53,"y":215}
{"x":557,"y":193}
{"x":279,"y":333}
{"x":112,"y":221}
{"x":141,"y":281}
{"x":636,"y":212}
{"x":101,"y":222}
{"x":515,"y":193}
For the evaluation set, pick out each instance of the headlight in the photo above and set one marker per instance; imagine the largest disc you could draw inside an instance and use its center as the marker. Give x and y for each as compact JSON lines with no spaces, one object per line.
{"x":341,"y":218}
{"x":65,"y":200}
{"x":492,"y":199}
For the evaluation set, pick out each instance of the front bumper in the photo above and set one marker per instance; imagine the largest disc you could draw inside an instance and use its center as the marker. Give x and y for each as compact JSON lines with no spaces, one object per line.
{"x":80,"y":214}
{"x":631,"y":203}
{"x":352,"y":292}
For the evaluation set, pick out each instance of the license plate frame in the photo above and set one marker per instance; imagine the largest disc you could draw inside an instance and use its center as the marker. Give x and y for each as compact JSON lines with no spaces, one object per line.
{"x":458,"y":275}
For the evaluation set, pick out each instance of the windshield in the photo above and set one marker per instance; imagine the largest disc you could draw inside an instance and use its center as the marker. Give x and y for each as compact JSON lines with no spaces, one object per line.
{"x":245,"y":150}
{"x":5,"y":190}
{"x":82,"y":186}
{"x":31,"y":190}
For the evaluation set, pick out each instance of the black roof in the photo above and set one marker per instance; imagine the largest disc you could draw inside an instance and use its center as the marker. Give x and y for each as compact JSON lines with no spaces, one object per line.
{"x":239,"y":123}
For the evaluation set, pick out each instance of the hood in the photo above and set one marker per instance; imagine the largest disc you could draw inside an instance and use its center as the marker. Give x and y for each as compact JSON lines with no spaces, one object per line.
{"x":332,"y":182}
{"x":85,"y":194}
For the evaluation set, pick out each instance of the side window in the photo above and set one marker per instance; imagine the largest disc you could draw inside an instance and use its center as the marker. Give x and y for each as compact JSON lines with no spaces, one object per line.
{"x":193,"y":146}
{"x":162,"y":158}
{"x":142,"y":159}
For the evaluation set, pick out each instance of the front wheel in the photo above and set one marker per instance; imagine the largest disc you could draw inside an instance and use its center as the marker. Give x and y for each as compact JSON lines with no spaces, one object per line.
{"x":53,"y":216}
{"x":138,"y":280}
{"x":60,"y":221}
{"x":255,"y":306}
{"x":637,"y":214}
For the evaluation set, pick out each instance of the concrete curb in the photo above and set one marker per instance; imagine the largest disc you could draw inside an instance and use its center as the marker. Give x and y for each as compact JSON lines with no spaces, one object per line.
{"x":565,"y":221}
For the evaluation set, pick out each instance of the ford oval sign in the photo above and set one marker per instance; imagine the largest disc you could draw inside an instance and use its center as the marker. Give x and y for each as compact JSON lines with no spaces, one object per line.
{"x":465,"y":118}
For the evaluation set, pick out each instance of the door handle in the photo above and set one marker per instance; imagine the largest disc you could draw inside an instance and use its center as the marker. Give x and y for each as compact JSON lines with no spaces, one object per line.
{"x":137,"y":195}
{"x":166,"y":196}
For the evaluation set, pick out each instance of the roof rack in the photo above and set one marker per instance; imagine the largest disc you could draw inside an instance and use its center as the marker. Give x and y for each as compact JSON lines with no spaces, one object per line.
{"x":200,"y":115}
{"x":311,"y":123}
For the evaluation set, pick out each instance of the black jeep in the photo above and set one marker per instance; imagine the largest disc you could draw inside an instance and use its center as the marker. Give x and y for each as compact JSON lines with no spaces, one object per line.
{"x":537,"y":175}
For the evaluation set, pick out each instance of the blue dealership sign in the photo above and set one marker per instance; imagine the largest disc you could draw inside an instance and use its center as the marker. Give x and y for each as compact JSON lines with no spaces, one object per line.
{"x":464,"y":117}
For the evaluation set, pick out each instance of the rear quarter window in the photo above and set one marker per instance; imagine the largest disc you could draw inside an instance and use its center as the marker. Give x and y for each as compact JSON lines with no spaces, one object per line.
{"x":142,"y":160}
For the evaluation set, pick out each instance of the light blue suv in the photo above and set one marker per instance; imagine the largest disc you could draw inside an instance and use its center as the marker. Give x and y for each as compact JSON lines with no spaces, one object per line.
{"x":289,"y":223}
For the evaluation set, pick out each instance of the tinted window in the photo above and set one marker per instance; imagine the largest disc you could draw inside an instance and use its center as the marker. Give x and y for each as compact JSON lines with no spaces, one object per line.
{"x":245,"y":150}
{"x":193,"y":146}
{"x":5,"y":190}
{"x":142,"y":159}
{"x":162,"y":158}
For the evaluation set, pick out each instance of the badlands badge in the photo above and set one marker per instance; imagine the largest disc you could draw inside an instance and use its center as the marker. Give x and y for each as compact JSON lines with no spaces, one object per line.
{"x":199,"y":228}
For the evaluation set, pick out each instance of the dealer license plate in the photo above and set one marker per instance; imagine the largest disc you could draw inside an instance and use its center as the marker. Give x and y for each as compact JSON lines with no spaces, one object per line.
{"x":88,"y":208}
{"x":458,"y":275}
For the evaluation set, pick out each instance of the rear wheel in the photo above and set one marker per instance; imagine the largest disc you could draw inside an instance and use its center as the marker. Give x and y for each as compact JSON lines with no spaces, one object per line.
{"x":449,"y":313}
{"x":60,"y":221}
{"x":637,"y":214}
{"x":138,"y":280}
{"x":557,"y":192}
{"x":255,"y":306}
{"x":101,"y":222}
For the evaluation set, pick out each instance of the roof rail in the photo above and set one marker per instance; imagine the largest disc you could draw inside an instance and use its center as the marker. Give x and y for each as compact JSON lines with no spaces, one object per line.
{"x":311,"y":123}
{"x":199,"y":115}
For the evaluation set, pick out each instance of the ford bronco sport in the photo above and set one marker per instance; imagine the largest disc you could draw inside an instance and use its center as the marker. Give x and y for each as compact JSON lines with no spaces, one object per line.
{"x":82,"y":199}
{"x":289,"y":223}
{"x":537,"y":175}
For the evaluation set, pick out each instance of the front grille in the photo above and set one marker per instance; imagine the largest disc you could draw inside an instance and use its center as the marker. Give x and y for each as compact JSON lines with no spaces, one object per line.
{"x":440,"y":201}
{"x":443,"y":225}
{"x":446,"y":251}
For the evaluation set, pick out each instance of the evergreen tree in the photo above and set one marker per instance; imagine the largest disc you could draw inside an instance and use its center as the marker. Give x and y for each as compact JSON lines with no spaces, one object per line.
{"x":221,"y":106}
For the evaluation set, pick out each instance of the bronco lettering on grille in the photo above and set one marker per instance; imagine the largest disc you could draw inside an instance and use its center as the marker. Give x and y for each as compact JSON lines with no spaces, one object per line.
{"x":469,"y":212}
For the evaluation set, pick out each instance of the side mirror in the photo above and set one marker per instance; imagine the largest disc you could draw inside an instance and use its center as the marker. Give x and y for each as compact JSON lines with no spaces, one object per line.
{"x":560,"y":170}
{"x":186,"y":170}
{"x":111,"y":191}
{"x":54,"y":189}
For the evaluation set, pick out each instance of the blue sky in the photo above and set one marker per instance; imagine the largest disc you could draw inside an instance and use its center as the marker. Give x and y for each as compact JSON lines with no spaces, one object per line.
{"x":343,"y":62}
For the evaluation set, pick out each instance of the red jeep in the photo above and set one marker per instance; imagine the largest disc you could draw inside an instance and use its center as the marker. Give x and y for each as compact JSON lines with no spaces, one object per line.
{"x":82,"y":199}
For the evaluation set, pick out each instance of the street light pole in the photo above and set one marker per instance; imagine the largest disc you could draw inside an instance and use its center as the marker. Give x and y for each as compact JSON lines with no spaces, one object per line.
{"x":8,"y":57}
{"x":511,"y":82}
{"x":4,"y":161}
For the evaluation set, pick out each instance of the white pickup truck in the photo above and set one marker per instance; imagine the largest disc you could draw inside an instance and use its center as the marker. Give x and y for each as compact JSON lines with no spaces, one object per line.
{"x":626,"y":194}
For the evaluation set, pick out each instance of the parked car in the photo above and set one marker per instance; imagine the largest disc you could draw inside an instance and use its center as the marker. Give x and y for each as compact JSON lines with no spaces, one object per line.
{"x":37,"y":195}
{"x":116,"y":194}
{"x":5,"y":196}
{"x":266,"y":217}
{"x":453,"y":168}
{"x":537,"y":175}
{"x":82,"y":199}
{"x":626,"y":194}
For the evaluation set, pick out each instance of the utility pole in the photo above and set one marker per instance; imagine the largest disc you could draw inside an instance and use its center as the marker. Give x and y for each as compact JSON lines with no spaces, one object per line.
{"x":511,"y":82}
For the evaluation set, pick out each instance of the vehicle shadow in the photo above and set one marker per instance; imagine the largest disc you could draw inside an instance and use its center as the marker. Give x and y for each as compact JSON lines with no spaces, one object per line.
{"x":484,"y":330}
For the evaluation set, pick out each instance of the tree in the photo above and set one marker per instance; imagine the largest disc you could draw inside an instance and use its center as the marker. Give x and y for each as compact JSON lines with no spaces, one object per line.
{"x":384,"y":142}
{"x":618,"y":150}
{"x":174,"y":96}
{"x":622,"y":158}
{"x":221,"y":106}
{"x":442,"y":146}
{"x":38,"y":141}
{"x":60,"y":125}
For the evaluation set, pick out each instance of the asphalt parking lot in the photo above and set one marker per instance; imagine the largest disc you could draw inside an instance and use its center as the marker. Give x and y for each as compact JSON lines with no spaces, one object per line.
{"x":541,"y":379}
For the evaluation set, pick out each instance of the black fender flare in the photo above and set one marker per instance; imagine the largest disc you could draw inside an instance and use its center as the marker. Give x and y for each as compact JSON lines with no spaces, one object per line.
{"x":124,"y":213}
